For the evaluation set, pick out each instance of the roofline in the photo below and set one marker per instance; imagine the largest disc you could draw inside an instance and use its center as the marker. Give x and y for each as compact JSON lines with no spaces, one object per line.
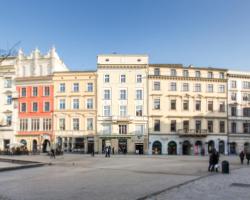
{"x":188,"y":67}
{"x":117,"y":55}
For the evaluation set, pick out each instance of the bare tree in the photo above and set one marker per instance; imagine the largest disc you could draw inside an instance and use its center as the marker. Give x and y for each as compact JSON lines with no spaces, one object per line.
{"x":9,"y":52}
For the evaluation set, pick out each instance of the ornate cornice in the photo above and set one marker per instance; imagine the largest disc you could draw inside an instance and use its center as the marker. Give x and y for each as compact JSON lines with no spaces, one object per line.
{"x":181,"y":78}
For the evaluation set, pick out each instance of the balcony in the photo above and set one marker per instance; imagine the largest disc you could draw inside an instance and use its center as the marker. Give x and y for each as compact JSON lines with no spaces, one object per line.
{"x":192,"y":132}
{"x":117,"y":119}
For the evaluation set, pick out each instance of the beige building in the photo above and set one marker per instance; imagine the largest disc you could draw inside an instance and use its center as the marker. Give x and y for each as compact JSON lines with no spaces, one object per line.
{"x":187,"y":109}
{"x":75,"y":110}
{"x":238,"y":111}
{"x":122,"y":121}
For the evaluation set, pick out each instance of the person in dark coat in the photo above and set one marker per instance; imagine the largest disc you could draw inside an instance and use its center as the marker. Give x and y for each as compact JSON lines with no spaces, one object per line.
{"x":216,"y":160}
{"x":109,"y":151}
{"x":248,"y":157}
{"x":212,"y":160}
{"x":242,"y":156}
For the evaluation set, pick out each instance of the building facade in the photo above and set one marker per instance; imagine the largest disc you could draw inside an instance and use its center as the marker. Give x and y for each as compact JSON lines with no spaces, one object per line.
{"x":122,"y":121}
{"x":36,"y":98}
{"x":187,"y":109}
{"x":75,"y":111}
{"x":8,"y":106}
{"x":238,"y":111}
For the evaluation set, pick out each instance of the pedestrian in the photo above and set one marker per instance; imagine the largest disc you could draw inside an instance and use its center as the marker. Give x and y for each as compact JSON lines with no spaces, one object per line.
{"x":212,"y":160}
{"x":216,"y":160}
{"x":106,"y":151}
{"x":248,"y":157}
{"x":109,"y":150}
{"x":113,"y":150}
{"x":242,"y":156}
{"x":53,"y":154}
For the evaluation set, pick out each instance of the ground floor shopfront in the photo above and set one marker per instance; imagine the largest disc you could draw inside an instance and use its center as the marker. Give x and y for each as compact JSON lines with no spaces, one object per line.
{"x":175,"y":145}
{"x":6,"y":138}
{"x":238,"y":143}
{"x":124,"y":144}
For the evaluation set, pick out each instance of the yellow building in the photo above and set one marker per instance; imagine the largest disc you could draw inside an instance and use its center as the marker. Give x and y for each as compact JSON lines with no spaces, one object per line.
{"x":75,"y":110}
{"x":122,"y":121}
{"x":187,"y":109}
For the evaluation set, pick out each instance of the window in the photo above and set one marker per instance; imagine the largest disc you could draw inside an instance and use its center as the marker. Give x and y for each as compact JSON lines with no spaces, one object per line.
{"x":246,"y":85}
{"x":246,"y":97}
{"x":76,"y":124}
{"x":222,"y":127}
{"x":233,"y":96}
{"x":123,"y":78}
{"x":62,"y":124}
{"x":106,"y":111}
{"x":157,"y":71}
{"x":106,"y":78}
{"x":89,"y":103}
{"x":221,"y":88}
{"x":198,"y":126}
{"x":210,"y":74}
{"x":173,"y":126}
{"x":123,"y":111}
{"x":185,"y":105}
{"x":185,"y":73}
{"x":139,"y":129}
{"x":35,"y":123}
{"x":123,"y":129}
{"x":107,"y":94}
{"x":23,"y":107}
{"x":76,"y":87}
{"x":197,"y":87}
{"x":198,"y":105}
{"x":186,"y":126}
{"x":23,"y":124}
{"x":185,"y":87}
{"x":173,"y":86}
{"x":157,"y":85}
{"x":89,"y":124}
{"x":246,"y":112}
{"x":75,"y":103}
{"x":197,"y":74}
{"x":7,"y":83}
{"x":246,"y":127}
{"x":139,"y":110}
{"x":9,"y":100}
{"x":139,"y":94}
{"x":157,"y":104}
{"x":123,"y":94}
{"x":233,"y":84}
{"x":210,"y":106}
{"x":173,"y":105}
{"x":210,"y":88}
{"x":23,"y":92}
{"x":62,"y":104}
{"x":234,"y":111}
{"x":106,"y":129}
{"x":9,"y":120}
{"x":47,"y":124}
{"x":34,"y":106}
{"x":157,"y":125}
{"x":46,"y":107}
{"x":210,"y":126}
{"x":34,"y":91}
{"x":222,"y":106}
{"x":173,"y":72}
{"x":90,"y":87}
{"x":138,"y":78}
{"x":62,"y":87}
{"x":46,"y":91}
{"x":233,"y":127}
{"x":222,"y":75}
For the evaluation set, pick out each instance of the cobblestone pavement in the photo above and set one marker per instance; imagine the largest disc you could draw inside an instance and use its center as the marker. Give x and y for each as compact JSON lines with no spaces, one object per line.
{"x":98,"y":178}
{"x":235,"y":186}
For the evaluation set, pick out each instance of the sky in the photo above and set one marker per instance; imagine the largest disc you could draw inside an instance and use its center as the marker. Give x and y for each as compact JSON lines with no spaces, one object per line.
{"x":204,"y":33}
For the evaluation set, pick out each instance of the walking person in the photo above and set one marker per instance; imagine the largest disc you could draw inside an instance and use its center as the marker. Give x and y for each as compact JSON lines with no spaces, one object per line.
{"x":109,"y":151}
{"x":212,"y":160}
{"x":248,"y":157}
{"x":216,"y":160}
{"x":242,"y":156}
{"x":106,"y":151}
{"x":113,"y":150}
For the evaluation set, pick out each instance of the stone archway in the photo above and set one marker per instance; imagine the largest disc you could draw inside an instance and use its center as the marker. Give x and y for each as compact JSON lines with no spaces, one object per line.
{"x":172,"y":148}
{"x":34,"y":146}
{"x":24,"y":142}
{"x":247,"y":147}
{"x":186,"y":148}
{"x":46,"y":146}
{"x":232,"y":148}
{"x":210,"y":146}
{"x":157,"y":148}
{"x":221,"y":147}
{"x":198,"y":149}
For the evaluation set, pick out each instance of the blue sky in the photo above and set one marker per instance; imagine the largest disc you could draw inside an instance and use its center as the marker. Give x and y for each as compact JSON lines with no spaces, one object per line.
{"x":212,"y":33}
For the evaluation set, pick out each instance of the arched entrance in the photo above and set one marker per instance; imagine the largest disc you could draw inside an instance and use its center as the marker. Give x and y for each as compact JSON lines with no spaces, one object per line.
{"x":232,"y":148}
{"x":246,"y":147}
{"x":210,"y":146}
{"x":46,"y":146}
{"x":172,"y":148}
{"x":222,"y":147}
{"x":34,"y":146}
{"x":156,"y":149}
{"x":198,"y":150}
{"x":24,"y":142}
{"x":122,"y":146}
{"x":186,"y":148}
